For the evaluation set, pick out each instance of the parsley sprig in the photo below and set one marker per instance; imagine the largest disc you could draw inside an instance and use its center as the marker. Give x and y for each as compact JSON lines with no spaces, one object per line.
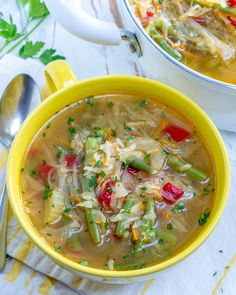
{"x":36,"y":12}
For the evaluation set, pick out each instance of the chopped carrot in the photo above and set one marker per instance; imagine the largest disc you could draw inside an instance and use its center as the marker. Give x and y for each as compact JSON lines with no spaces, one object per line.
{"x":135,"y":234}
{"x":158,"y":197}
{"x":141,"y":206}
{"x":166,"y":215}
{"x":163,"y":125}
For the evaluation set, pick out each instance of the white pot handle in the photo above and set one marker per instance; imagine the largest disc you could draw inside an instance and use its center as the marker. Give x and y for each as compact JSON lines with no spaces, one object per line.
{"x":70,"y":14}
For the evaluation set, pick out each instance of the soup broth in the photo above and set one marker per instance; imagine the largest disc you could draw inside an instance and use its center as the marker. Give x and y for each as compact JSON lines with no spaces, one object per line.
{"x":201,"y":34}
{"x":118,"y":182}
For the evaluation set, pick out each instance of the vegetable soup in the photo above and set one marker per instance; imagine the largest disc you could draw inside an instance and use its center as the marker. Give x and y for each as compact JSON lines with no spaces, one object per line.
{"x":201,"y":34}
{"x":118,"y":182}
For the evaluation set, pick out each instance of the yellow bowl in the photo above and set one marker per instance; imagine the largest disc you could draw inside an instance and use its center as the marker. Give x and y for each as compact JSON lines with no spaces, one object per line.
{"x":67,"y":90}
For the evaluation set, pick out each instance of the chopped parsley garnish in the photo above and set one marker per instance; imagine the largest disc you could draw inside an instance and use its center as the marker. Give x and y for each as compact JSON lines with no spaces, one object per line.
{"x":165,"y":152}
{"x":106,"y":225}
{"x":98,"y":163}
{"x":60,"y":151}
{"x":67,"y":210}
{"x":143,"y":103}
{"x":102,"y":174}
{"x":206,"y":190}
{"x":124,"y":165}
{"x":130,"y":137}
{"x":169,"y":226}
{"x":111,"y":188}
{"x":110,"y":104}
{"x":84,"y":262}
{"x":161,"y":242}
{"x":92,"y":181}
{"x":163,"y":115}
{"x":89,"y":100}
{"x":127,"y":128}
{"x":48,"y":126}
{"x":113,"y":133}
{"x":47,"y":192}
{"x":125,"y":257}
{"x":70,"y":120}
{"x":44,"y":134}
{"x":58,"y":249}
{"x":32,"y":172}
{"x":203,"y":219}
{"x":133,"y":251}
{"x":143,"y":188}
{"x":22,"y":169}
{"x":72,"y":132}
{"x":116,"y":179}
{"x":179,"y":207}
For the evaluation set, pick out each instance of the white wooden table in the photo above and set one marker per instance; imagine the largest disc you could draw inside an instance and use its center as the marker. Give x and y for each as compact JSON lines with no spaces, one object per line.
{"x":208,"y":270}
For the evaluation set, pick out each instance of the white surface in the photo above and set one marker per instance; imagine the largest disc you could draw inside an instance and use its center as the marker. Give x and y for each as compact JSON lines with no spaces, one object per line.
{"x":195,"y":275}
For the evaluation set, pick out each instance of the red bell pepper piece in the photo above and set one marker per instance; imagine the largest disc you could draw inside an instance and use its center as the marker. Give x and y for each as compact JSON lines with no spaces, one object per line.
{"x":177,"y":133}
{"x":132,"y":170}
{"x":105,"y":196}
{"x":44,"y":170}
{"x":150,"y":12}
{"x":231,"y":3}
{"x":70,"y":160}
{"x":171,"y":193}
{"x":232,"y":21}
{"x":199,"y":20}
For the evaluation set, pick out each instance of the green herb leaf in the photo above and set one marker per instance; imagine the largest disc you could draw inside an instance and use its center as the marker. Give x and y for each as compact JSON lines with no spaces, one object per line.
{"x":67,"y":210}
{"x":89,"y":100}
{"x":37,"y":9}
{"x":30,"y":49}
{"x":8,"y":30}
{"x":179,"y":207}
{"x":72,"y":132}
{"x":92,"y":181}
{"x":84,"y":262}
{"x":102,"y":174}
{"x":161,"y":242}
{"x":70,"y":120}
{"x":58,"y":249}
{"x":49,"y":55}
{"x":130,"y":137}
{"x":203,"y":219}
{"x":133,"y":251}
{"x":169,"y":226}
{"x":110,"y":104}
{"x":127,"y":128}
{"x":98,"y":163}
{"x":143,"y":103}
{"x":47,"y":192}
{"x":113,"y":132}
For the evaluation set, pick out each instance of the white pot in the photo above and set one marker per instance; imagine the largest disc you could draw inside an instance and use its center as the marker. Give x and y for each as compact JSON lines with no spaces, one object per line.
{"x":217,"y":98}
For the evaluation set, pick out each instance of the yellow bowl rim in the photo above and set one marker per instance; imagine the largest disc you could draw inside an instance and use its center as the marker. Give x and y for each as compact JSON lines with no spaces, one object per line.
{"x":202,"y":236}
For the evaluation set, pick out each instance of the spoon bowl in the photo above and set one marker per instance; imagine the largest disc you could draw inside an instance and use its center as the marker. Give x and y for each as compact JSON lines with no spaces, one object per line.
{"x":18,"y":100}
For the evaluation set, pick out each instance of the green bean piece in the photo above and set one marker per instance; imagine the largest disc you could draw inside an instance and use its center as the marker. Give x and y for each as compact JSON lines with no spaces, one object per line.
{"x":229,"y":10}
{"x":141,"y":165}
{"x":166,"y":236}
{"x":92,"y":225}
{"x":85,"y":184}
{"x":120,"y":225}
{"x":195,"y":173}
{"x":149,"y":212}
{"x":164,"y":45}
{"x":91,"y":146}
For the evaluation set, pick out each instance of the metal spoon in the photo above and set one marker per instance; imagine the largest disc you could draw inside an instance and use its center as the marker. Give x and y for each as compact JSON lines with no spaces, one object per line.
{"x":19,"y":99}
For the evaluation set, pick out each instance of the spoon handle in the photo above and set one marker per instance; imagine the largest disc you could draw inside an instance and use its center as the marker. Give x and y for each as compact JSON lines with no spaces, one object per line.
{"x":3,"y":227}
